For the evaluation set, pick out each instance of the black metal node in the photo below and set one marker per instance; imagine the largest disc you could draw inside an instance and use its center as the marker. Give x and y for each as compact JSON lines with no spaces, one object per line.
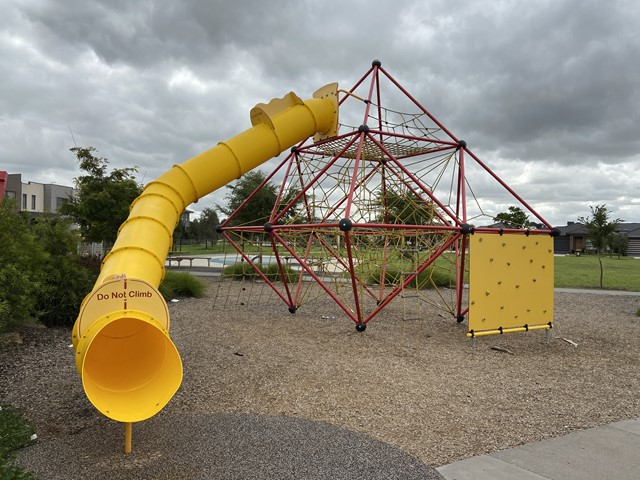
{"x":462,"y":144}
{"x":467,"y":229}
{"x":345,"y":224}
{"x":293,"y":309}
{"x":361,"y":327}
{"x":268,"y":227}
{"x":460,"y":318}
{"x":376,"y":63}
{"x":218,"y":228}
{"x":294,"y":149}
{"x":363,"y":128}
{"x":555,"y":232}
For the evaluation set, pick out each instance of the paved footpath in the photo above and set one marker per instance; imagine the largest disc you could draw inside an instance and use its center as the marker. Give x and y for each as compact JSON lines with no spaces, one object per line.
{"x":602,"y":453}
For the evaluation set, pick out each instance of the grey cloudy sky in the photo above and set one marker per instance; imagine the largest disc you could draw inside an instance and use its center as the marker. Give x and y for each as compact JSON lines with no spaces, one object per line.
{"x":546,"y":92}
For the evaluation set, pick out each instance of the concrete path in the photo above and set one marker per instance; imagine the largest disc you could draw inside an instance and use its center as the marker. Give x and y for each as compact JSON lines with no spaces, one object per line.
{"x":222,"y":446}
{"x":601,"y":453}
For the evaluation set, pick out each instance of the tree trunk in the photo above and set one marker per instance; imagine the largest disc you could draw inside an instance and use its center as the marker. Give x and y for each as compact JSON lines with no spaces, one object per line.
{"x":601,"y":272}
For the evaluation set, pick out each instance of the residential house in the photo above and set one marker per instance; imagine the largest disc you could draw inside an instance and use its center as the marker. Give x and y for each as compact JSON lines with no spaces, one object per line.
{"x":574,"y":238}
{"x":33,"y":197}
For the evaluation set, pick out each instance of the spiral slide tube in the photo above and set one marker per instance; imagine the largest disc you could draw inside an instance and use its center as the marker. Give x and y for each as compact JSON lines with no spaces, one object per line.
{"x":129,"y":366}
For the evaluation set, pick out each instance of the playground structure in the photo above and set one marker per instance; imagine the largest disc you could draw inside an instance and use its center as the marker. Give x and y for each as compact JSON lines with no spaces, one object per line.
{"x":366,"y":214}
{"x":386,"y":209}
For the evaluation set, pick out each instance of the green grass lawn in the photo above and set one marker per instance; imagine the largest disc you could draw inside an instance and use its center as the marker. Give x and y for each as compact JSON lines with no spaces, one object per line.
{"x":570,"y":271}
{"x":584,"y":272}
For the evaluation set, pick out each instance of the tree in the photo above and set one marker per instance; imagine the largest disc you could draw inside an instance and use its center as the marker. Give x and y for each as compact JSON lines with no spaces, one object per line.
{"x":103,"y":200}
{"x":404,"y":208}
{"x":514,"y":218}
{"x":205,"y":226}
{"x":600,"y":228}
{"x":619,"y":243}
{"x":257,"y":210}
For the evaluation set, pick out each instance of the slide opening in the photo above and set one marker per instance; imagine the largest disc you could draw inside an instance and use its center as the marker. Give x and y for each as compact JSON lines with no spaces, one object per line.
{"x":131,"y":369}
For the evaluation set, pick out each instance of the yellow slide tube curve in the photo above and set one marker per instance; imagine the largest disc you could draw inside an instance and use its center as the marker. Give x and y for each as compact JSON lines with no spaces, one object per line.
{"x":129,"y":366}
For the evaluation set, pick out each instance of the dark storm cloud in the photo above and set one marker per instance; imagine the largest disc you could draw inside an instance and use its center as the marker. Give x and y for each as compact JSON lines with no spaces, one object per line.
{"x":545,"y":92}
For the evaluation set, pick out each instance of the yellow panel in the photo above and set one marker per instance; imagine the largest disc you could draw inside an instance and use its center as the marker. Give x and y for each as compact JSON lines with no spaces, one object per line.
{"x":510,"y":283}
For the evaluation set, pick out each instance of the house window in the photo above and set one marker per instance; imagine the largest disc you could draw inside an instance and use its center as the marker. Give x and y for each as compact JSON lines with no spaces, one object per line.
{"x":10,"y":194}
{"x":33,"y":202}
{"x":24,"y":201}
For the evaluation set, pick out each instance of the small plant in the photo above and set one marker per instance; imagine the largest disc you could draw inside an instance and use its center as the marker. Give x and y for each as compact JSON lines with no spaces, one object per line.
{"x":181,"y":284}
{"x":15,"y":433}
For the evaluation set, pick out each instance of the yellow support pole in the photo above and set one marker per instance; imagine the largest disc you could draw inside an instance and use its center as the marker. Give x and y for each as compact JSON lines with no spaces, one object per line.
{"x":128,"y":431}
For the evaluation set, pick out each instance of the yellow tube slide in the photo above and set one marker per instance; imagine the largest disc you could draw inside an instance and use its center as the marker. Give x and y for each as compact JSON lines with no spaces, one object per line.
{"x":129,"y":366}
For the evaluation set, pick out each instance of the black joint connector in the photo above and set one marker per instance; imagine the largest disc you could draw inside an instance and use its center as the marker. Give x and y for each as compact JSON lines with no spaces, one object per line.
{"x":460,"y":319}
{"x":361,"y":327}
{"x":218,"y":228}
{"x":472,"y":333}
{"x":467,"y":229}
{"x":363,"y":128}
{"x":376,"y":63}
{"x":268,"y":227}
{"x":462,"y":144}
{"x":555,"y":232}
{"x":345,"y":224}
{"x":550,"y":325}
{"x":500,"y":330}
{"x":501,"y":231}
{"x":293,"y":309}
{"x":526,"y":327}
{"x":294,"y":149}
{"x":527,"y":232}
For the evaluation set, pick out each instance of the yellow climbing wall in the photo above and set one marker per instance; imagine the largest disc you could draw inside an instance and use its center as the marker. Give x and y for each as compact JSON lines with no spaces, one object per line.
{"x":510,"y":283}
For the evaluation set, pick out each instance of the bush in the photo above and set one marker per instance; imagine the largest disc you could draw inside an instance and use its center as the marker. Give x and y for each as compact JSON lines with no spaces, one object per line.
{"x":41,"y":278}
{"x":245,"y":271}
{"x":181,"y":284}
{"x":428,"y":278}
{"x":15,"y":433}
{"x":21,"y":258}
{"x":65,"y":280}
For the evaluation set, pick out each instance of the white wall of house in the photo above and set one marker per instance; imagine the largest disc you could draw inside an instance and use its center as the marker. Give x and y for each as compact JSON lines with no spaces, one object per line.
{"x":32,"y":198}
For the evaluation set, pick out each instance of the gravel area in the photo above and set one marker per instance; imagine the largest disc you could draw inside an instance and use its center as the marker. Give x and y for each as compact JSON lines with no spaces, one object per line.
{"x":416,"y":385}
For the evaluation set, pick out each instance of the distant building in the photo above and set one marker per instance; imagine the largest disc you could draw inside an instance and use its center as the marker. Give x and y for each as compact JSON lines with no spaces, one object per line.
{"x":574,"y":239}
{"x":632,"y":231}
{"x":33,"y":197}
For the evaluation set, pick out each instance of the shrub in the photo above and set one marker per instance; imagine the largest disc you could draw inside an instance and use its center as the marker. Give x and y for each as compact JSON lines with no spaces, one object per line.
{"x":181,"y":284}
{"x":244,"y":271}
{"x":428,"y":278}
{"x":20,"y":269}
{"x":65,"y":280}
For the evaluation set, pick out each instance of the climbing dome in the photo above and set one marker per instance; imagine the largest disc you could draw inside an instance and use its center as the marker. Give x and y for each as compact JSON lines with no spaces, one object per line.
{"x":387,"y":209}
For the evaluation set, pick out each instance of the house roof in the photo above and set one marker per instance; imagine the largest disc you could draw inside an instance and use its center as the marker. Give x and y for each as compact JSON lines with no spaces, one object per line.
{"x":573,"y":229}
{"x":631,"y":229}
